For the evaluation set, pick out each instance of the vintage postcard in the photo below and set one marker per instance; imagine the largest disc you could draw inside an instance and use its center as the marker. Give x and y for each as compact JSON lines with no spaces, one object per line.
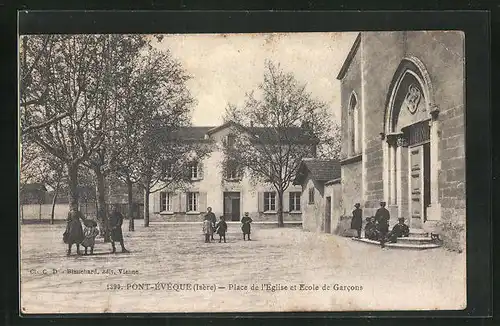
{"x":273,"y":172}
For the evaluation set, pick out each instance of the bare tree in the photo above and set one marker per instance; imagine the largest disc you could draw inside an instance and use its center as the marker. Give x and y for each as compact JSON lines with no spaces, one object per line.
{"x":155,"y":100}
{"x":119,"y":55}
{"x":68,"y":76}
{"x":279,"y":127}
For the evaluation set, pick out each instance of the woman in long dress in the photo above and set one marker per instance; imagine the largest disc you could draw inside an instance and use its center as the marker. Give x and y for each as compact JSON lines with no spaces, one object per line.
{"x":74,"y":231}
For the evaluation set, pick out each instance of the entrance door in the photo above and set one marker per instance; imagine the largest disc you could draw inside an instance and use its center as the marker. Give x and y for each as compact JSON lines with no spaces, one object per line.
{"x":328,"y":214}
{"x":235,"y":209}
{"x":232,"y":206}
{"x":420,"y":184}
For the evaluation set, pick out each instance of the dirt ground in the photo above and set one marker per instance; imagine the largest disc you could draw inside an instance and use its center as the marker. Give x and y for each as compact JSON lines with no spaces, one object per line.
{"x":170,"y":269}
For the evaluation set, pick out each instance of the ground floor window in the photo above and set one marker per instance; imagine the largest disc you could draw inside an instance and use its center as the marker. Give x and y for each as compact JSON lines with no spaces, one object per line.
{"x":294,"y":202}
{"x":269,"y":201}
{"x":166,"y":201}
{"x":192,"y":201}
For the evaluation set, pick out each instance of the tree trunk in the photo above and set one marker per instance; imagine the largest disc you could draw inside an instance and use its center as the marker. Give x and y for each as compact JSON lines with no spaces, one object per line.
{"x":102,"y":214}
{"x":40,"y":210}
{"x":54,"y":199}
{"x":73,"y":187}
{"x":22,"y":213}
{"x":280,"y":209}
{"x":130,"y":205}
{"x":146,"y":206}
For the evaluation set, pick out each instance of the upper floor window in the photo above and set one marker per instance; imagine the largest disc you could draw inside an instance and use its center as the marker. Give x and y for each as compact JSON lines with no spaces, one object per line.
{"x":354,"y":125}
{"x":194,"y":170}
{"x":231,"y":140}
{"x":167,"y":169}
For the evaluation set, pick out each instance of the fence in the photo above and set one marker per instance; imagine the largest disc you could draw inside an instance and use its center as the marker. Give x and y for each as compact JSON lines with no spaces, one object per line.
{"x":43,"y":212}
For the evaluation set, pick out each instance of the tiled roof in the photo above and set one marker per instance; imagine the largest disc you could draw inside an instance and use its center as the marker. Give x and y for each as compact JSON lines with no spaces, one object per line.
{"x":295,"y":134}
{"x":319,"y":170}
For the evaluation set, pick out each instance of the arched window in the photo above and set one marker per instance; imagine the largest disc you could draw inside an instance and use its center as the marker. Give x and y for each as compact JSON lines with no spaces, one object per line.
{"x":354,"y":125}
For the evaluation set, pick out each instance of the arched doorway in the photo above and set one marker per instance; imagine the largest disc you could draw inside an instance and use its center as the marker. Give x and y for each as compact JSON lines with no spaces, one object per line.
{"x":410,"y":150}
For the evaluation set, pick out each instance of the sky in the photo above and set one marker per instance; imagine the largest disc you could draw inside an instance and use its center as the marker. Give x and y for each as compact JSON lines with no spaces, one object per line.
{"x":226,"y":66}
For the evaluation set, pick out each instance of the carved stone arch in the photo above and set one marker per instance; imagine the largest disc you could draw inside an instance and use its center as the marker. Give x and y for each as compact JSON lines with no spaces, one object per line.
{"x":409,"y":66}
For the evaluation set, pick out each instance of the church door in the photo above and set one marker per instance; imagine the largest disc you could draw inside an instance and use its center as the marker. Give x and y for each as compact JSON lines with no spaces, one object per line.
{"x":420,"y":184}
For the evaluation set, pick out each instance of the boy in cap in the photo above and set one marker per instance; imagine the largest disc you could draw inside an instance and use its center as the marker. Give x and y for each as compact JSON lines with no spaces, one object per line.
{"x":357,"y":219}
{"x":221,"y":229}
{"x":399,"y":230}
{"x":245,"y":226}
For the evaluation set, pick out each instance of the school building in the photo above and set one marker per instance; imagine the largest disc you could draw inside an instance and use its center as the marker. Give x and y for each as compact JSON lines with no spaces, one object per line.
{"x":229,"y":192}
{"x":403,"y":129}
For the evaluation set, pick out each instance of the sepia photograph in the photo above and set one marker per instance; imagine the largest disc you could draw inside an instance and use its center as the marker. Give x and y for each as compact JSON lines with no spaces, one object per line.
{"x":242,"y":172}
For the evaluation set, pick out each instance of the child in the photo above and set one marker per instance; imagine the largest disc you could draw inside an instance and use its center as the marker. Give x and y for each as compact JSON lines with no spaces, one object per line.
{"x":207,"y":229}
{"x":90,"y":233}
{"x":245,"y":227}
{"x":221,"y":229}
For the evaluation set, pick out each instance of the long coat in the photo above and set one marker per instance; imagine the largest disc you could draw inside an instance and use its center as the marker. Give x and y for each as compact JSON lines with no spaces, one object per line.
{"x":74,"y":230}
{"x":246,"y":220}
{"x":221,"y":228}
{"x":382,"y":217}
{"x":115,"y":223}
{"x":357,"y":219}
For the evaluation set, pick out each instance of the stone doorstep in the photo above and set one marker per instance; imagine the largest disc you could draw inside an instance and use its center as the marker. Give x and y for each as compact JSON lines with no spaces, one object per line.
{"x":400,"y":245}
{"x":416,"y":240}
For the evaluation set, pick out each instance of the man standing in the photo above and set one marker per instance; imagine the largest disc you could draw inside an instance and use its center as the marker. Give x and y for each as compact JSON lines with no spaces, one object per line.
{"x":211,"y":217}
{"x":115,"y":224}
{"x":382,"y":216}
{"x":357,"y":219}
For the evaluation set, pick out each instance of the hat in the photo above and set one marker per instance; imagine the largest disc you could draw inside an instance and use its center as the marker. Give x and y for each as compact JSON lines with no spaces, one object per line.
{"x":401,"y":219}
{"x":357,"y":204}
{"x":382,"y":203}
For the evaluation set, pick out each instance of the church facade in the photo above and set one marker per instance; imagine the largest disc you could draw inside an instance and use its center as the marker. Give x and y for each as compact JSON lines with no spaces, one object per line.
{"x":403,"y":129}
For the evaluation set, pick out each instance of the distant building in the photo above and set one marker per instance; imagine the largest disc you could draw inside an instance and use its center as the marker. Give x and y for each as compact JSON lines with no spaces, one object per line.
{"x":230,"y":192}
{"x":320,"y":199}
{"x":402,"y":100}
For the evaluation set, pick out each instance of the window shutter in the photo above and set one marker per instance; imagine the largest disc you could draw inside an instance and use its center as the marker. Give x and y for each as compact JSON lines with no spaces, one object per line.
{"x":286,"y":201}
{"x":175,"y":202}
{"x":182,"y":202}
{"x":156,"y":202}
{"x":260,"y":196}
{"x":203,"y":202}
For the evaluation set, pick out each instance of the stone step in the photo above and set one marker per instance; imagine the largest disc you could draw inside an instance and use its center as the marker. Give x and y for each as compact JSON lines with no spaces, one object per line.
{"x":415,"y":240}
{"x":414,"y":232}
{"x":404,"y":246}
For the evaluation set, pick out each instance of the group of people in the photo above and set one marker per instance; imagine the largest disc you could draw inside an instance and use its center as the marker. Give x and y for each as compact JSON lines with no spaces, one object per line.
{"x":85,"y":236}
{"x":377,"y":227}
{"x":211,"y":226}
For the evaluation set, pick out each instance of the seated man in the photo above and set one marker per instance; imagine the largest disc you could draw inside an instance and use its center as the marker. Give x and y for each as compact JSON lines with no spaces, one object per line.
{"x":399,"y":230}
{"x":371,"y":232}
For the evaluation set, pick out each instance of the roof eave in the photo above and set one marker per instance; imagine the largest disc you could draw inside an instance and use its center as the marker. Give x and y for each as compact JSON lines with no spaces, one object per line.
{"x":350,"y":56}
